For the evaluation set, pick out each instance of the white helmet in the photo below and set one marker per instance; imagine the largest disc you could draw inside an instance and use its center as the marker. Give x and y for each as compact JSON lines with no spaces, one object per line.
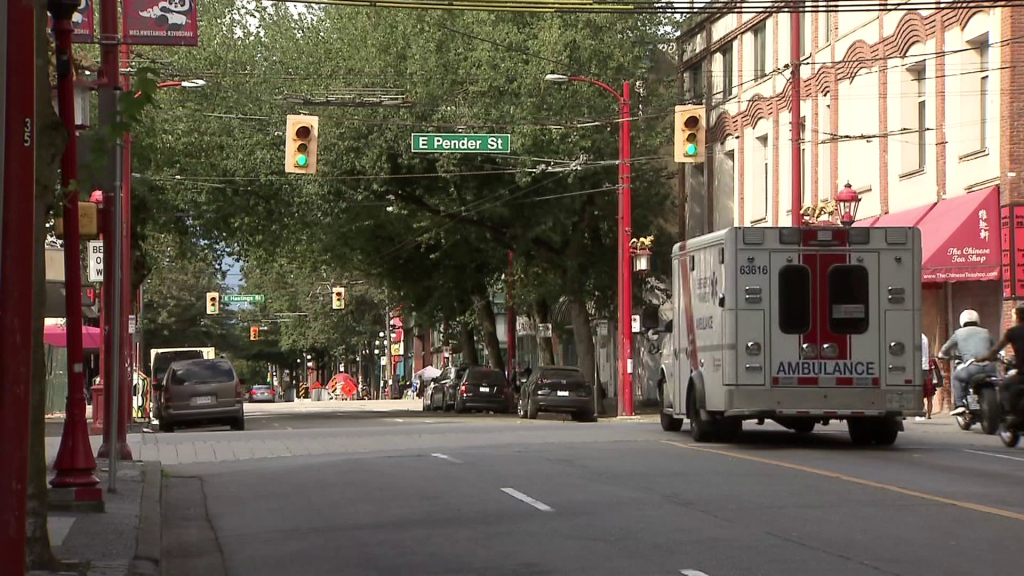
{"x":969,"y":316}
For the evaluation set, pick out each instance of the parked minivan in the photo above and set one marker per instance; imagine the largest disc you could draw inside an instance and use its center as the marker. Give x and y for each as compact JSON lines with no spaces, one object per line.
{"x":199,"y":392}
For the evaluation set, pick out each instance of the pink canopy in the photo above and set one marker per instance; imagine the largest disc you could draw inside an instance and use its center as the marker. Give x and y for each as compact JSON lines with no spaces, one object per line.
{"x":58,"y":336}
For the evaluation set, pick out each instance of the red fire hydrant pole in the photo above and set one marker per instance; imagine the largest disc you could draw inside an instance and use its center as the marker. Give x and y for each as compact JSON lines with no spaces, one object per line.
{"x":74,"y":464}
{"x":17,"y":97}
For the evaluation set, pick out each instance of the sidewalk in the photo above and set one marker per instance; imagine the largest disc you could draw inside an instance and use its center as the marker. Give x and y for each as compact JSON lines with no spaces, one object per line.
{"x":123,"y":540}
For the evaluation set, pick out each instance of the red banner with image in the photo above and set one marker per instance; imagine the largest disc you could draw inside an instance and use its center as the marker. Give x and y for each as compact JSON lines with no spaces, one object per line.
{"x":160,"y":22}
{"x":81,"y":20}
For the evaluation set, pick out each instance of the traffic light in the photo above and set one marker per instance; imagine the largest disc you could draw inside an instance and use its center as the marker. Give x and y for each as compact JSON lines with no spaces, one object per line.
{"x":213,"y":302}
{"x":689,"y":140}
{"x":300,"y":151}
{"x":254,"y":332}
{"x":338,"y":303}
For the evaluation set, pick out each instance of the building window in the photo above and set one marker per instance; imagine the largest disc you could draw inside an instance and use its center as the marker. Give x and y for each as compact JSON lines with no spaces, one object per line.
{"x":804,"y":29}
{"x":848,"y":298}
{"x":761,"y":50}
{"x":695,"y":82}
{"x":760,"y":166}
{"x":914,"y":118}
{"x":826,"y":21}
{"x":983,"y":94}
{"x":803,"y":163}
{"x":727,"y":86}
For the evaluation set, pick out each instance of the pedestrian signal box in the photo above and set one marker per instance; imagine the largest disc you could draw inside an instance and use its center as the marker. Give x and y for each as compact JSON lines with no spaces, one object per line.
{"x":301,"y":143}
{"x":254,"y":332}
{"x":689,"y":131}
{"x":338,"y":302}
{"x":213,"y":302}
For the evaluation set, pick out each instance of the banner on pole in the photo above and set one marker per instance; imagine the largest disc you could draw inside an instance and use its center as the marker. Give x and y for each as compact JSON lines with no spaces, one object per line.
{"x":82,"y":20}
{"x":159,"y":22}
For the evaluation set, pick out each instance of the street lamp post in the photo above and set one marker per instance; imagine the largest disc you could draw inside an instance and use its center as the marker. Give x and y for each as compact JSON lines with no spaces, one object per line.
{"x":624,"y":280}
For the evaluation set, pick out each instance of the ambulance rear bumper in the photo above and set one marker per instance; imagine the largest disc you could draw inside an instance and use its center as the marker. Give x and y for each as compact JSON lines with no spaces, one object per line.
{"x":746,"y":402}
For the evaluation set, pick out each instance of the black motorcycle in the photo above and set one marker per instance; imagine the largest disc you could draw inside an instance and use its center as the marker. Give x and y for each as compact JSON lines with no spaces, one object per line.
{"x":982,"y":402}
{"x":1011,"y":421}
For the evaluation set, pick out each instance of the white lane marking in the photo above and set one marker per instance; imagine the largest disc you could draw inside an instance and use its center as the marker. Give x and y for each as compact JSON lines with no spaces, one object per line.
{"x":688,"y":572}
{"x":276,"y":424}
{"x":399,"y":420}
{"x":996,"y":455}
{"x":429,"y":421}
{"x":523,"y":497}
{"x":289,"y":428}
{"x":446,"y":457}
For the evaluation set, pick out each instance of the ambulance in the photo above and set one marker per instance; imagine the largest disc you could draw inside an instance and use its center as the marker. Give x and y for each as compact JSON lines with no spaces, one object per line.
{"x":800,"y":326}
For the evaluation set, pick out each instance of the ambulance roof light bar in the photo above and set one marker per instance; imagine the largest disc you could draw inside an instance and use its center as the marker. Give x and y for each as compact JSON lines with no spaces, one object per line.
{"x":790,"y":235}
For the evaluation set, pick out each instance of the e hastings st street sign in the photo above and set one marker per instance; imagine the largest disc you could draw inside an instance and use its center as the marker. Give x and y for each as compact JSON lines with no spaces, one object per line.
{"x":243,"y":298}
{"x":462,"y":143}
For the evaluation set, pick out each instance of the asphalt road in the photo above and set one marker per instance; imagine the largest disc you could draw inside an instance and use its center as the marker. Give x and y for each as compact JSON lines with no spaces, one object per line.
{"x":439,"y":494}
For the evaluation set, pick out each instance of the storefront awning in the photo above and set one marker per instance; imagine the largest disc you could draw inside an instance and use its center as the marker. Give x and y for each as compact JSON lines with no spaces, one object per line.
{"x":960,"y":238}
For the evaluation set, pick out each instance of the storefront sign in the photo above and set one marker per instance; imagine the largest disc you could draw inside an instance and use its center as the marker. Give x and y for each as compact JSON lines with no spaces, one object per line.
{"x":160,"y":22}
{"x":1018,"y":251}
{"x":1006,"y":251}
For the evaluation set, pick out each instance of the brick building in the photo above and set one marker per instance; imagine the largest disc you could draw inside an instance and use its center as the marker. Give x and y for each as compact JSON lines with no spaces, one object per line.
{"x":917,"y":110}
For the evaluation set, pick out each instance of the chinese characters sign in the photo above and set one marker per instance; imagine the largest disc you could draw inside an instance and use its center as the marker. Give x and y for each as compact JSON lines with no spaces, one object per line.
{"x":162,"y":22}
{"x":1018,"y":251}
{"x":1006,"y":250}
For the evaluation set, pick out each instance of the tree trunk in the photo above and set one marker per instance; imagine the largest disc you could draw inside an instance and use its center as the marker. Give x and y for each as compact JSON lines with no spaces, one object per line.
{"x":541,"y":315}
{"x":468,"y":341}
{"x":50,"y":141}
{"x":584,"y":338}
{"x":485,"y":315}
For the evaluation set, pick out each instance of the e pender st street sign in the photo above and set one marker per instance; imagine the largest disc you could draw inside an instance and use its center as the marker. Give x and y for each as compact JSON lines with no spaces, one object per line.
{"x":462,"y":143}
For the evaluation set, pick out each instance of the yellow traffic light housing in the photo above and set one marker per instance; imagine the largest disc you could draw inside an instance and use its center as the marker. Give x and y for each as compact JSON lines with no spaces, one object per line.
{"x":254,"y":332}
{"x":301,"y":144}
{"x":338,"y":302}
{"x":689,"y":134}
{"x":213,"y":302}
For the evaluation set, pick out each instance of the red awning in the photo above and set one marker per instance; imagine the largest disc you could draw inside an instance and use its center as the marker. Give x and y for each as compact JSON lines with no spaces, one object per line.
{"x":869,"y":221}
{"x":960,"y":238}
{"x":910,"y":217}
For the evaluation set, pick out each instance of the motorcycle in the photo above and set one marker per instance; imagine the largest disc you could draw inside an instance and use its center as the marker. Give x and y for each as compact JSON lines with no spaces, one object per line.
{"x":982,"y":401}
{"x":1012,"y":421}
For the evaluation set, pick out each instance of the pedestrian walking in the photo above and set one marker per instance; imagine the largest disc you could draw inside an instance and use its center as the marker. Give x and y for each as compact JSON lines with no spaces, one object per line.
{"x":930,"y":370}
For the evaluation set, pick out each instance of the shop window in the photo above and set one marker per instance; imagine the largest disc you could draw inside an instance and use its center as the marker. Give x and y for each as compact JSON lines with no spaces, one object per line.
{"x":794,"y":299}
{"x":848,"y":299}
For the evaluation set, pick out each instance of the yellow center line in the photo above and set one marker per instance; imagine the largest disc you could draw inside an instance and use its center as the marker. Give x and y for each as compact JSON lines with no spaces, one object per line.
{"x":855,"y":480}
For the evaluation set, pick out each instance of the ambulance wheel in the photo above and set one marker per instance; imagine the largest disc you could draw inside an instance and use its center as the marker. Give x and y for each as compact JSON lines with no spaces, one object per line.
{"x":860,"y":432}
{"x":668,"y":422}
{"x":885,"y":431}
{"x":700,"y":429}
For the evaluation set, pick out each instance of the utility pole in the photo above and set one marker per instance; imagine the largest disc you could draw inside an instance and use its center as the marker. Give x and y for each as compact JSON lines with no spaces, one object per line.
{"x":110,"y":183}
{"x":794,"y":52}
{"x":17,"y":170}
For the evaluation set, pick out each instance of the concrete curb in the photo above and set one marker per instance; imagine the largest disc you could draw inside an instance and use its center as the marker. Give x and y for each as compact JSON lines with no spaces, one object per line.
{"x":149,"y":539}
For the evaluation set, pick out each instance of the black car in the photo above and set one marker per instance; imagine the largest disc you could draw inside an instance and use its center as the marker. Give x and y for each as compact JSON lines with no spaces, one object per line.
{"x":557,"y":389}
{"x":434,"y":394}
{"x":479,"y":388}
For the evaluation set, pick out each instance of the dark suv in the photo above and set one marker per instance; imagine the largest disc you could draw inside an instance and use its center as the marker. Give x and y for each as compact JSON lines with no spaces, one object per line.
{"x":557,"y":389}
{"x":479,"y":388}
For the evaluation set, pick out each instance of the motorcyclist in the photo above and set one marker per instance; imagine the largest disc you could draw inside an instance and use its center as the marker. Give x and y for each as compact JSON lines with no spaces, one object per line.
{"x":970,"y":342}
{"x":1010,"y":389}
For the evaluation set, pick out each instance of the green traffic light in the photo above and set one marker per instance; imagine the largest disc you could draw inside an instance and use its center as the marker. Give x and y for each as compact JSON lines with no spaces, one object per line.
{"x":691,"y":150}
{"x":300,"y":160}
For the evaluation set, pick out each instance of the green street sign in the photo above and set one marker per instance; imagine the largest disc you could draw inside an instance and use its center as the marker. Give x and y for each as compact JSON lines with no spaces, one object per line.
{"x":462,"y":143}
{"x":240,"y":298}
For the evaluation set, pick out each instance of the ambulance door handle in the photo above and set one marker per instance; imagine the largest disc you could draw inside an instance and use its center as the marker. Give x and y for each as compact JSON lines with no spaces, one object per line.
{"x":702,"y":363}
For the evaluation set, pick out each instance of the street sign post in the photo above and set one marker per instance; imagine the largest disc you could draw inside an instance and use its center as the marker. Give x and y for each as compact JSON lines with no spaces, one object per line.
{"x":462,"y":143}
{"x":243,"y":298}
{"x":95,"y":261}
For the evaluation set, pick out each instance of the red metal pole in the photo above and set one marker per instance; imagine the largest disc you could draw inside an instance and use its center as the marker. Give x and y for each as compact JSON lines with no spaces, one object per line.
{"x":627,"y":278}
{"x":16,"y":265}
{"x":794,"y":49}
{"x":619,"y":277}
{"x":74,"y":464}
